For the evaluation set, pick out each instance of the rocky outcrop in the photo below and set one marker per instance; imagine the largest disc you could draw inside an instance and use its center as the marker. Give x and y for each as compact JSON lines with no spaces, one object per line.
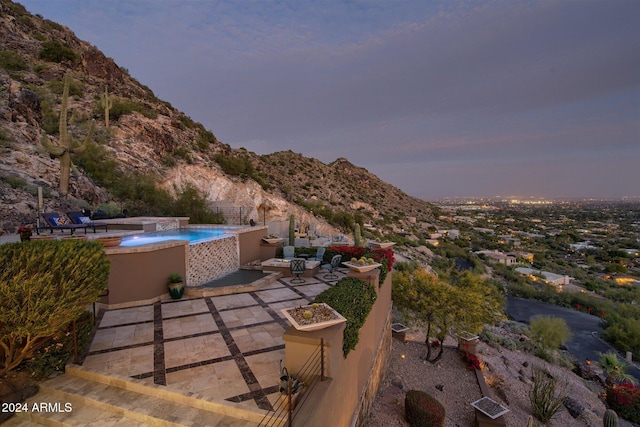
{"x":148,"y":135}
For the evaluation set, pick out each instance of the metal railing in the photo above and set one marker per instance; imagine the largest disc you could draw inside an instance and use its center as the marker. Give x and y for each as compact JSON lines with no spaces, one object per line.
{"x":295,"y":389}
{"x":235,"y":215}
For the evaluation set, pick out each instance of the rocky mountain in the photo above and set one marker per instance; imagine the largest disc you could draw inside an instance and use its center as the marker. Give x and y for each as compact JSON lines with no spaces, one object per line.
{"x":141,"y":136}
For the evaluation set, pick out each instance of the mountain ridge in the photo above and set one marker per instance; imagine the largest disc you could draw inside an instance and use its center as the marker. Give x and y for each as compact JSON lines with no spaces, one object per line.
{"x":148,"y":135}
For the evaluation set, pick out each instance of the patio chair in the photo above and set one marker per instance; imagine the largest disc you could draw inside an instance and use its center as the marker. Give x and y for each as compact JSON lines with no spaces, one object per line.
{"x":78,"y":217}
{"x":55,"y":221}
{"x":298,"y":267}
{"x":289,"y":252}
{"x":319,"y":254}
{"x":334,"y":264}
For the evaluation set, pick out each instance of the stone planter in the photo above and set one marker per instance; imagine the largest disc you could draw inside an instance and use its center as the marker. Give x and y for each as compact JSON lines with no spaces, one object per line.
{"x":468,"y":343}
{"x":110,"y":242}
{"x":44,"y":237}
{"x":74,"y":237}
{"x":321,"y":316}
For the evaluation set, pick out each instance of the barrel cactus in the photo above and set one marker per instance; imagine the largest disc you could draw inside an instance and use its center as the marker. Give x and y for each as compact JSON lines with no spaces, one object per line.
{"x":610,"y":418}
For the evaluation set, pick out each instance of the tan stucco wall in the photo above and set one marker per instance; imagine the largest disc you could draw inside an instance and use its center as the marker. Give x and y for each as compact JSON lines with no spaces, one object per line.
{"x":341,"y":401}
{"x":142,"y":273}
{"x":252,"y":247}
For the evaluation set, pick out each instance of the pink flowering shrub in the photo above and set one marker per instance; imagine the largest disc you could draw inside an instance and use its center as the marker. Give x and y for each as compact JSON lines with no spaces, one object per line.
{"x":625,"y":400}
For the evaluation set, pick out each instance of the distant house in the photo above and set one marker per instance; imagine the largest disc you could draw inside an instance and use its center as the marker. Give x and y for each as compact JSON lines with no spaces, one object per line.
{"x":549,"y":278}
{"x":527,"y":256}
{"x":499,"y":257}
{"x":513,"y":241}
{"x":632,"y":252}
{"x":581,"y":246}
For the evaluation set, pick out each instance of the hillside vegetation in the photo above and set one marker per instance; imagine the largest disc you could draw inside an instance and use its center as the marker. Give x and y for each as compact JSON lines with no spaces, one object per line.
{"x":148,"y":154}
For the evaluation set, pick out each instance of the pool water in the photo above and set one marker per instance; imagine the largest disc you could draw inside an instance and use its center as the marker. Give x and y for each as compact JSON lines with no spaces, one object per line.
{"x":193,"y":235}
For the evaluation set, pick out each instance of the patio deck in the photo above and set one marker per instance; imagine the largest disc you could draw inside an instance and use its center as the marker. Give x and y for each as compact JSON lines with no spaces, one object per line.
{"x":224,"y":350}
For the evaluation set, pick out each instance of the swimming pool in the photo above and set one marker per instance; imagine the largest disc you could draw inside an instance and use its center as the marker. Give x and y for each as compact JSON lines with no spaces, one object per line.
{"x":193,"y":235}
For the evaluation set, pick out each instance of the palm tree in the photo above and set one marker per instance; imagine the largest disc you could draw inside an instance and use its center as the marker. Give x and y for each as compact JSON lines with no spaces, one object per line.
{"x":615,"y":368}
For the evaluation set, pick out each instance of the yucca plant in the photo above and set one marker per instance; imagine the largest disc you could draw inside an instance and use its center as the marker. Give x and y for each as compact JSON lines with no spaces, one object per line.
{"x":546,"y":394}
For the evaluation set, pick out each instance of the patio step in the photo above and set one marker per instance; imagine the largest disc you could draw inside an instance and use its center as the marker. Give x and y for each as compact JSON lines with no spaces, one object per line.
{"x":94,"y":399}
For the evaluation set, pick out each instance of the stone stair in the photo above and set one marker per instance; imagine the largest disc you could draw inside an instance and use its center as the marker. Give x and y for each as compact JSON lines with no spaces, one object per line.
{"x":81,"y":397}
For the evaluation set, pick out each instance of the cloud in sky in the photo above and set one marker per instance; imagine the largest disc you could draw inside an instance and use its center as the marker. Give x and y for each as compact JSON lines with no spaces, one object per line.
{"x":438,"y":98}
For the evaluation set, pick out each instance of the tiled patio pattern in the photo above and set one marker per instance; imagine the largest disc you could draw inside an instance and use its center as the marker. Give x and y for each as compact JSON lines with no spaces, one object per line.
{"x":225,"y":348}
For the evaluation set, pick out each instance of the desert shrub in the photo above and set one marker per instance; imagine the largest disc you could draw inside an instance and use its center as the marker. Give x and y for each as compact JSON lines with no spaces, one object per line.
{"x":625,"y":400}
{"x":121,"y":107}
{"x":546,"y":395}
{"x":57,"y":86}
{"x":56,"y":352}
{"x":193,"y":203}
{"x":44,"y":286}
{"x":353,"y":299}
{"x":549,"y":332}
{"x":423,"y":410}
{"x":235,"y":165}
{"x":11,"y":61}
{"x":15,"y":181}
{"x":54,"y":51}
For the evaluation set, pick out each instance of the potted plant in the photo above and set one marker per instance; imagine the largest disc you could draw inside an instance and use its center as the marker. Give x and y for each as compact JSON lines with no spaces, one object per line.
{"x":176,"y":286}
{"x":25,"y":232}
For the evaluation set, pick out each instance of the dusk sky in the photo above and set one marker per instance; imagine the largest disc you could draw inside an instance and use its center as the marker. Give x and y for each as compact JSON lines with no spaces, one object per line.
{"x":441,"y":99}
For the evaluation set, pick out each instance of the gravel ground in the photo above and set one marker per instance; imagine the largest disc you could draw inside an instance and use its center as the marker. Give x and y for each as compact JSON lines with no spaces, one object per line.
{"x":506,"y":372}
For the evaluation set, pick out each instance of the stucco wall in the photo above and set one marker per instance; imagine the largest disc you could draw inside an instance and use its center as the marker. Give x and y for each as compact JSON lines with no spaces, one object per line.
{"x":354,"y":379}
{"x":142,"y":273}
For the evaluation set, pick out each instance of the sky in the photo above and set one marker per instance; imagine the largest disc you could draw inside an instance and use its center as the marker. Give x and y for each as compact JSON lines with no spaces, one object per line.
{"x":439,"y":98}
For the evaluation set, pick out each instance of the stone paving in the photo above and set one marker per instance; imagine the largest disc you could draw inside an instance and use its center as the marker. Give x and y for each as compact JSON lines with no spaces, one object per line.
{"x":225,"y":348}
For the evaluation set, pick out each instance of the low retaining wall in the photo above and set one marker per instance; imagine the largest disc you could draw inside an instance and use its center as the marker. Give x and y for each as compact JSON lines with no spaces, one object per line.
{"x":354,"y":380}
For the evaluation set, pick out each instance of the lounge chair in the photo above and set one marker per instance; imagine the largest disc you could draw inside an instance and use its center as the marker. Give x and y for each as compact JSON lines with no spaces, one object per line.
{"x":55,"y":221}
{"x":289,"y":252}
{"x":78,"y":217}
{"x":334,"y":264}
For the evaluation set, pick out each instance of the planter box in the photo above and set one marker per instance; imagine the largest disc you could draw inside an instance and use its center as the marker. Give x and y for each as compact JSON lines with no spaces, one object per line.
{"x":468,"y":342}
{"x":336,"y":319}
{"x":490,"y":407}
{"x":271,"y":241}
{"x":361,"y":268}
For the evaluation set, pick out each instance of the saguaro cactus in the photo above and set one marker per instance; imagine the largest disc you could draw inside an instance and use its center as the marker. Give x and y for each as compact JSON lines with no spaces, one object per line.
{"x":357,"y":236}
{"x":292,"y":230}
{"x":106,"y":103}
{"x":64,"y":148}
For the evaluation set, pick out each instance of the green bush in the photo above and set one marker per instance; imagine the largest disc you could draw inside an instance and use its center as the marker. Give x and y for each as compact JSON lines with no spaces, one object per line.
{"x":44,"y":286}
{"x":11,"y":61}
{"x":353,"y":299}
{"x":54,"y":51}
{"x":123,"y":107}
{"x":423,"y":410}
{"x":549,"y":332}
